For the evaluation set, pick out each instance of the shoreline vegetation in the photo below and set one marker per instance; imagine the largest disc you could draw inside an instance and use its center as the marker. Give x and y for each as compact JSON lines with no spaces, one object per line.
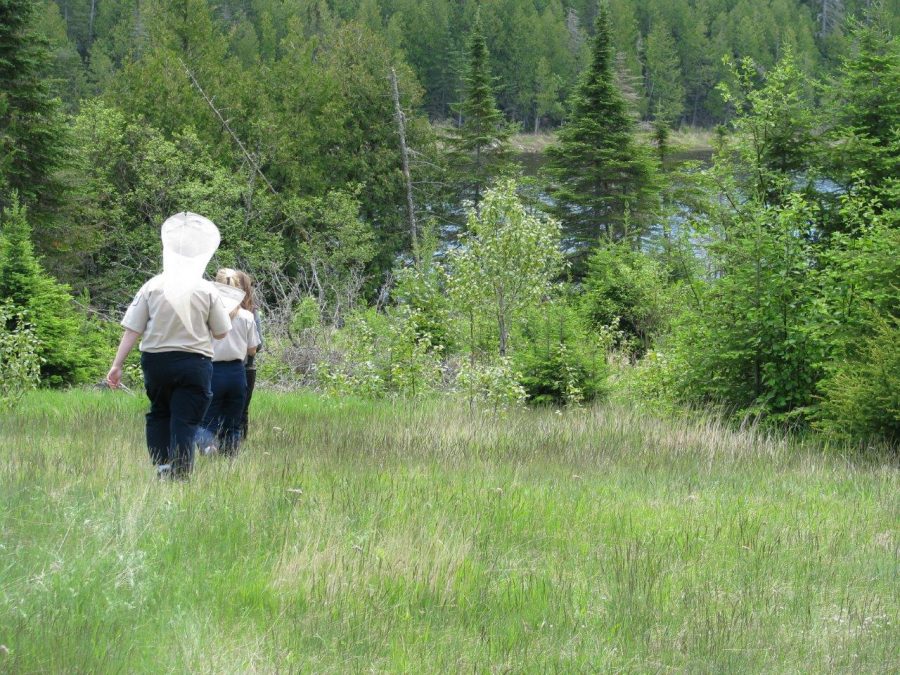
{"x":360,"y":163}
{"x":684,"y":139}
{"x":416,"y":535}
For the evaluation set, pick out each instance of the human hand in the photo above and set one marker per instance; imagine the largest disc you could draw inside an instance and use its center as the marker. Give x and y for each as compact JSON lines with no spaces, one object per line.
{"x":114,"y":377}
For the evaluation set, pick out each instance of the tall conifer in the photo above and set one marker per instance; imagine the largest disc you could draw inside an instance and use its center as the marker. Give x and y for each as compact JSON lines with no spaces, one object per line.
{"x":479,"y":146}
{"x":30,"y":122}
{"x":603,"y":182}
{"x":66,"y":357}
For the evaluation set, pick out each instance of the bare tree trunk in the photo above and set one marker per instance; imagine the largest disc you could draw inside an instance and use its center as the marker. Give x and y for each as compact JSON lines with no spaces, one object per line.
{"x":472,"y":338}
{"x":404,"y":153}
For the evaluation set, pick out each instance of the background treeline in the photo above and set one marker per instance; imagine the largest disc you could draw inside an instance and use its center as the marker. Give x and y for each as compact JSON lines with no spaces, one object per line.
{"x":669,"y":52}
{"x":764,"y":282}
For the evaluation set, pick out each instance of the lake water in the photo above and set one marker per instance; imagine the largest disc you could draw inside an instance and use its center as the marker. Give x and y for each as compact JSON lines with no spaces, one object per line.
{"x":533,"y":162}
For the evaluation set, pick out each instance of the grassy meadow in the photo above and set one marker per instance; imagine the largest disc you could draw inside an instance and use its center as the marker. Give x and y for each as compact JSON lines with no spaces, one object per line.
{"x":422,"y":537}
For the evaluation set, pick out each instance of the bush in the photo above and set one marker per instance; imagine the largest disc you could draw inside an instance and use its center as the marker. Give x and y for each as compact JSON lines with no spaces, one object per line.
{"x":495,"y":384}
{"x":631,"y":288}
{"x":651,"y":383}
{"x":423,"y":290}
{"x":862,"y":394}
{"x":67,"y":344}
{"x":559,"y":360}
{"x":382,"y":354}
{"x":20,"y":365}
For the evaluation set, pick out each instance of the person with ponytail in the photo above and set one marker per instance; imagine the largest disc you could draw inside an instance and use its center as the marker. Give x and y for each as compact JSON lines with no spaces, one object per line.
{"x":249,"y":303}
{"x":221,"y":429}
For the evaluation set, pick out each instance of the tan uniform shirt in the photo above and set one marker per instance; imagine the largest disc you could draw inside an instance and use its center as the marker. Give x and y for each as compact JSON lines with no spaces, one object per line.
{"x":163,"y":331}
{"x":242,"y":336}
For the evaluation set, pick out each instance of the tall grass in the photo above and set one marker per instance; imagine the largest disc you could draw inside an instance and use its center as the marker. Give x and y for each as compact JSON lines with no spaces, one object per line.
{"x":353,"y":536}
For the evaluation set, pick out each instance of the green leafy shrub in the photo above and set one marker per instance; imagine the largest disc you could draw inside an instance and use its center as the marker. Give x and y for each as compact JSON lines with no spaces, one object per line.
{"x":649,"y":383}
{"x":631,"y":288}
{"x":20,"y":365}
{"x":381,"y":354}
{"x":862,"y":394}
{"x":305,"y":315}
{"x":494,"y":383}
{"x":67,"y":346}
{"x":752,"y":345}
{"x":423,"y":289}
{"x":558,"y":359}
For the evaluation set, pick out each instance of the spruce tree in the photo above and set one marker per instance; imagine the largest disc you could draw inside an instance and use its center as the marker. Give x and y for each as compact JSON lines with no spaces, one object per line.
{"x":30,"y":121}
{"x":865,"y":115}
{"x":662,"y":73}
{"x":67,"y":356}
{"x":479,"y":146}
{"x":603,"y":182}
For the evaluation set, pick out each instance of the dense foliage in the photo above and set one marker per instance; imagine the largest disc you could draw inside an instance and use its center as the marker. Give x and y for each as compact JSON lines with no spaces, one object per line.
{"x":67,"y":347}
{"x":764,"y":283}
{"x":669,"y":49}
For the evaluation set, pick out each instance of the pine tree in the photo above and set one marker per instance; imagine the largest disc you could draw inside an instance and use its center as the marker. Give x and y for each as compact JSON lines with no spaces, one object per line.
{"x":66,"y":358}
{"x":662,"y":70}
{"x":479,"y":147}
{"x":30,"y":121}
{"x":865,"y":124}
{"x":603,"y":181}
{"x":547,"y":87}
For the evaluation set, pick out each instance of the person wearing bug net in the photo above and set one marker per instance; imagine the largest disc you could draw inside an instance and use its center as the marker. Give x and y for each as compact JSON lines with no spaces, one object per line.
{"x":176,"y":314}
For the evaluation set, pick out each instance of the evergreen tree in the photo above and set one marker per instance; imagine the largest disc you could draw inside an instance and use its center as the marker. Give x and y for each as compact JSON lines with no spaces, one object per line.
{"x":66,"y":356}
{"x":865,"y":119}
{"x":604,"y":182}
{"x":547,"y":88}
{"x":662,"y":70}
{"x":67,"y":73}
{"x":479,"y":147}
{"x":30,"y":121}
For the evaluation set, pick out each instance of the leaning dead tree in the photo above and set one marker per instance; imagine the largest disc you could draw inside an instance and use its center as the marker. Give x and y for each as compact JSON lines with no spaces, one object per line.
{"x":249,"y":157}
{"x":251,"y":160}
{"x":404,"y":154}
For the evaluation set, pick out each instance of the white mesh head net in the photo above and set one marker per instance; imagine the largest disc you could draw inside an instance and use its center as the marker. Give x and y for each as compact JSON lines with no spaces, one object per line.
{"x":189,"y":242}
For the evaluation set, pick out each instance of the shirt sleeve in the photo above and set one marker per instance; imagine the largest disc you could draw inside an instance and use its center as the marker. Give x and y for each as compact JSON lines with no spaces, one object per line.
{"x":258,"y":329}
{"x":253,"y":339}
{"x":138,"y":314}
{"x":219,"y":322}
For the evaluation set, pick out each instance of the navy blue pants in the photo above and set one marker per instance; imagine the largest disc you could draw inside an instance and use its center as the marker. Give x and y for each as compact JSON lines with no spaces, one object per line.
{"x":226,"y":410}
{"x":178,"y":386}
{"x":250,"y":368}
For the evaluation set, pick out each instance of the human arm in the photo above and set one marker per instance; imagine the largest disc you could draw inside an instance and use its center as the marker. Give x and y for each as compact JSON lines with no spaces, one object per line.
{"x":254,"y":341}
{"x":258,"y":323}
{"x":126,"y":344}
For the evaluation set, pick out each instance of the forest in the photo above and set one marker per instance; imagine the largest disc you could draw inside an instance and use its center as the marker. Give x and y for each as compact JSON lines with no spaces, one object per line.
{"x":680,"y":205}
{"x":580,"y":336}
